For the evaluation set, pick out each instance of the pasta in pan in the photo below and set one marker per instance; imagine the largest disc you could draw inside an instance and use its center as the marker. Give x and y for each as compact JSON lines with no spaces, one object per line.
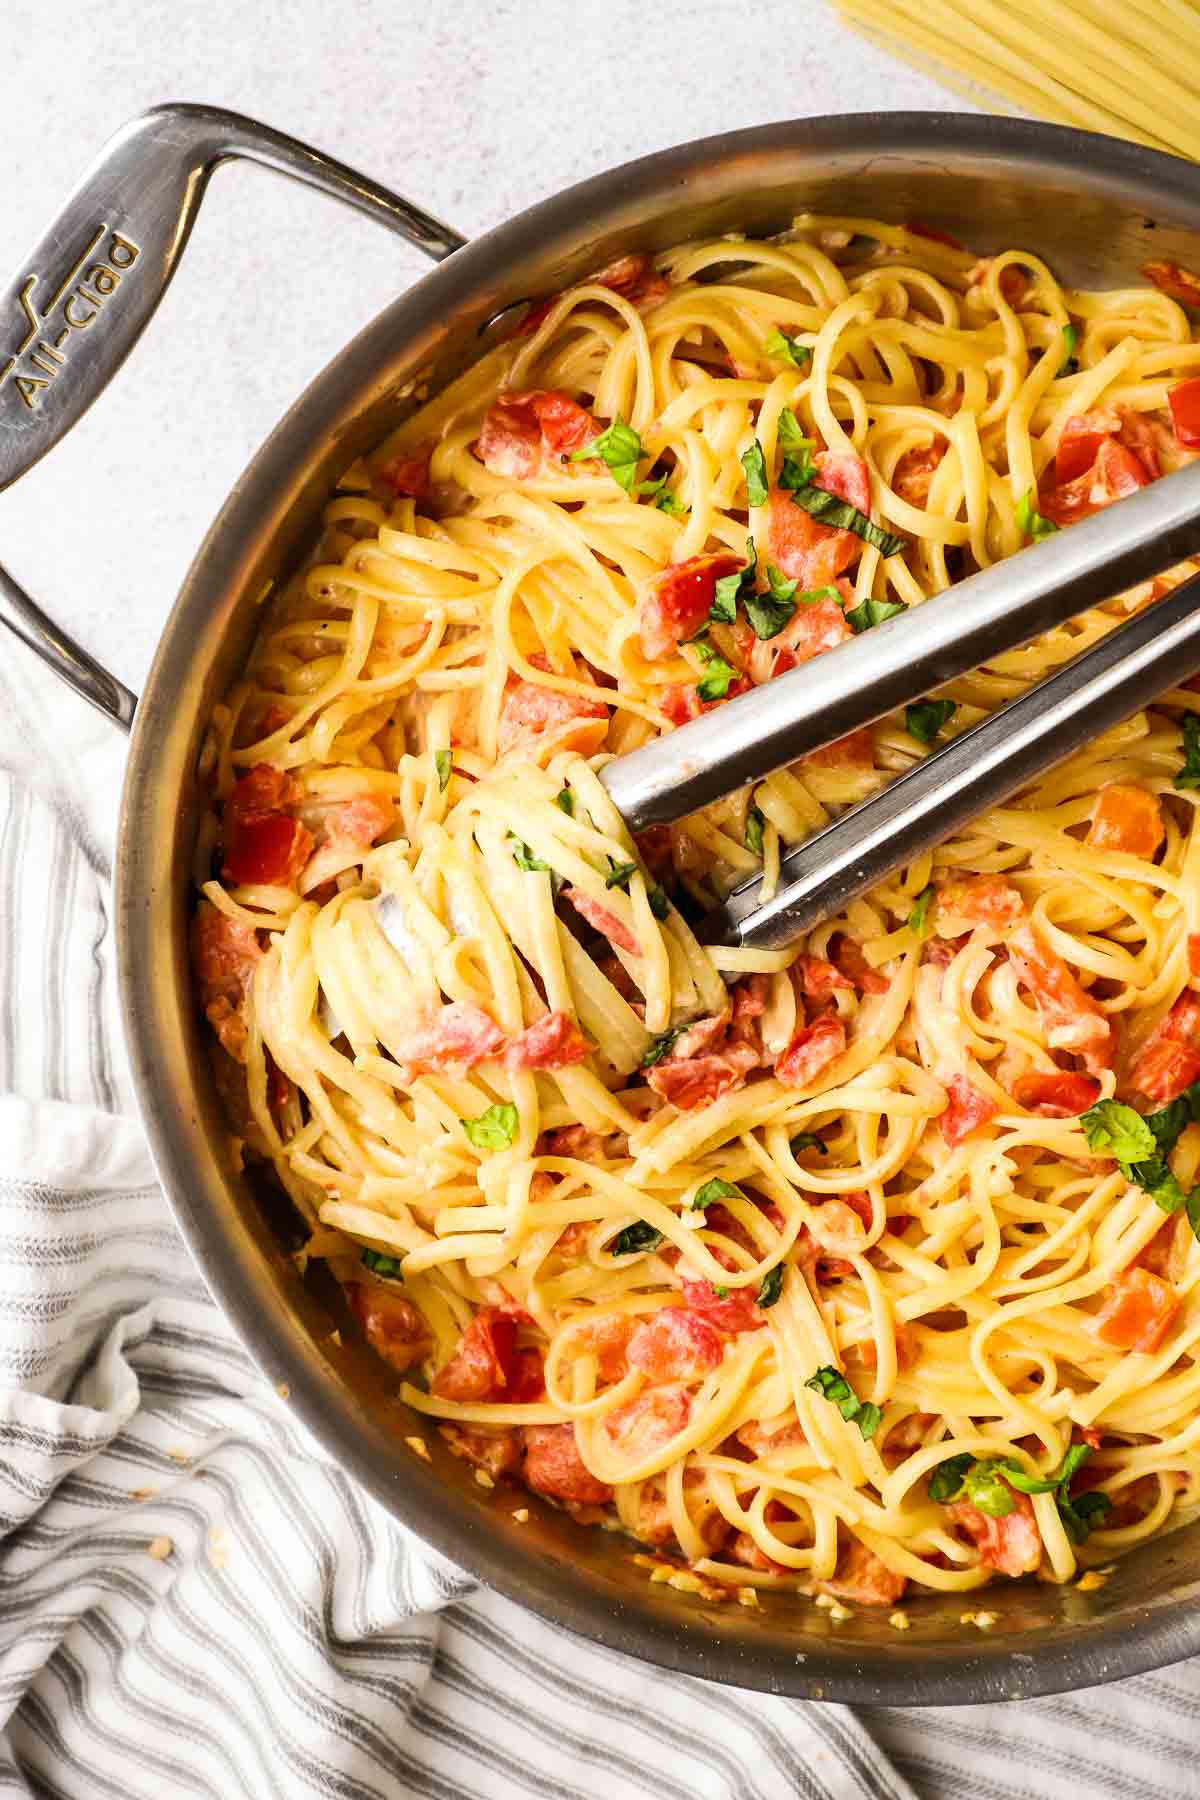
{"x":867,"y":1263}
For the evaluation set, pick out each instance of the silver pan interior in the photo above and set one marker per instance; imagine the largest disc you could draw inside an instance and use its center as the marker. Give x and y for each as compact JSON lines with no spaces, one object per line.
{"x":1096,"y":209}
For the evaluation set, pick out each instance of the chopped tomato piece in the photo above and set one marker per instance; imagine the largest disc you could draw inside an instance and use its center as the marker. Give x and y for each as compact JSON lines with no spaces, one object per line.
{"x":602,"y":920}
{"x":865,"y":1578}
{"x":848,"y":955}
{"x":521,"y":431}
{"x":803,"y":548}
{"x":854,"y":751}
{"x":527,"y":1377}
{"x":408,"y":474}
{"x":1169,"y":1060}
{"x":1138,"y":1309}
{"x":676,"y":1344}
{"x":634,"y":277}
{"x":934,"y":235}
{"x":966,"y":1110}
{"x":264,"y":843}
{"x":1070,"y":1017}
{"x":607,"y":1339}
{"x":554,"y":1467}
{"x":764,"y":1443}
{"x":393,"y":1327}
{"x":913,"y":475}
{"x":1194,"y":954}
{"x":554,"y":1042}
{"x":680,"y":701}
{"x":531,"y":713}
{"x":811,"y":631}
{"x":1011,"y":1545}
{"x":482,"y":1366}
{"x":812,"y":1050}
{"x":749,"y":998}
{"x":496,"y":1448}
{"x":642,"y":1426}
{"x":699,"y":1080}
{"x":1117,"y":471}
{"x":845,"y":476}
{"x":1179,"y":283}
{"x":1126,"y":817}
{"x":1184,"y":401}
{"x":674,"y":606}
{"x":706,"y":1034}
{"x":737,"y":1311}
{"x":1056,"y":1095}
{"x":817,"y":978}
{"x":745,"y":1550}
{"x":841,"y":1225}
{"x":1080,"y":441}
{"x":457,"y":1037}
{"x":981,"y":900}
{"x":354,"y":824}
{"x":225,"y":954}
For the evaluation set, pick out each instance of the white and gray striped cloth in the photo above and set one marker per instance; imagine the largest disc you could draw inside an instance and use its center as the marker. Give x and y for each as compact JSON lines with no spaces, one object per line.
{"x":194,"y":1605}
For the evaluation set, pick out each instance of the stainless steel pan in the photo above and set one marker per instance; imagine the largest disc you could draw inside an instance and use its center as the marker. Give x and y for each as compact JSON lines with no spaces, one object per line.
{"x":1097,"y":209}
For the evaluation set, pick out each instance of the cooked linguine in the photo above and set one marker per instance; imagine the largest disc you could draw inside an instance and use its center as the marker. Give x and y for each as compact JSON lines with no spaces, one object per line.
{"x":866,"y":1263}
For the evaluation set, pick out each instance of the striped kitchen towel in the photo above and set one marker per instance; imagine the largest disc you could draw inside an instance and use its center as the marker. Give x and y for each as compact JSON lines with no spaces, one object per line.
{"x":195,"y":1605}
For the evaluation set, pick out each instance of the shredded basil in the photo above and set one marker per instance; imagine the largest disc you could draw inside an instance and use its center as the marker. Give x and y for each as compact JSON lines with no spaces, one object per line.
{"x":755,"y":465}
{"x":1141,"y":1147}
{"x":873,"y":612}
{"x":659,"y":1047}
{"x":714,"y":683}
{"x":525,"y":859}
{"x":811,"y":596}
{"x":769,"y":1291}
{"x":1117,"y":1130}
{"x":988,"y":1485}
{"x":837,"y":1390}
{"x":946,"y":1481}
{"x":769,"y":613}
{"x":787,"y":349}
{"x":730,"y":588}
{"x":443,"y":762}
{"x":807,"y":1140}
{"x":618,"y":875}
{"x":755,"y":824}
{"x":660,"y":906}
{"x":1189,"y":774}
{"x":791,"y":433}
{"x":663,"y":498}
{"x":842,"y":516}
{"x":388,"y":1268}
{"x":924,"y":719}
{"x":1070,"y":337}
{"x":712,"y":1191}
{"x":635,"y":1237}
{"x":1030,"y":520}
{"x":494,"y":1129}
{"x":619,"y":448}
{"x":916,"y":918}
{"x":566,"y":801}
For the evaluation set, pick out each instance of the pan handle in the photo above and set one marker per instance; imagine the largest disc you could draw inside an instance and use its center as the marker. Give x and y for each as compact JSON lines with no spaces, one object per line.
{"x":83,"y":296}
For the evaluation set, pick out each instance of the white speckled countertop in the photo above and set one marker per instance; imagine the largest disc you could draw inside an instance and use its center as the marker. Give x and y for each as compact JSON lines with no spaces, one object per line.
{"x":474,"y":110}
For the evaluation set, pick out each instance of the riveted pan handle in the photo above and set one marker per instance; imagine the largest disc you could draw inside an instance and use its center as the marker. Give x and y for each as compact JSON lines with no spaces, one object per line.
{"x":83,"y":296}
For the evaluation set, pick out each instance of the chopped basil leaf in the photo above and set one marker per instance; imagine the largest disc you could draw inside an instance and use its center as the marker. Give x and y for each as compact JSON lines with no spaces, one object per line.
{"x":836,"y":1389}
{"x":791,"y":435}
{"x":659,"y":1047}
{"x":722,"y":1293}
{"x":946,"y":1480}
{"x":1189,"y":775}
{"x":443,"y":762}
{"x":787,"y":349}
{"x":663,"y":498}
{"x":873,"y":612}
{"x":494,"y":1129}
{"x":1016,"y":1477}
{"x":807,"y":1140}
{"x":714,"y":683}
{"x":1083,"y":1515}
{"x":1117,"y":1131}
{"x":730,"y":588}
{"x":843,"y":517}
{"x":769,"y":613}
{"x":619,"y":448}
{"x":618,"y":875}
{"x":754,"y":831}
{"x":1030,"y":520}
{"x":566,"y":801}
{"x":1169,"y":1123}
{"x":798,"y":466}
{"x":916,"y":918}
{"x":986,"y":1489}
{"x":769,"y":1291}
{"x":923,"y":719}
{"x":1070,"y":337}
{"x":525,"y":859}
{"x":755,"y":465}
{"x":388,"y":1268}
{"x":712,"y":1191}
{"x":660,"y":906}
{"x":810,"y":596}
{"x":638,"y":1236}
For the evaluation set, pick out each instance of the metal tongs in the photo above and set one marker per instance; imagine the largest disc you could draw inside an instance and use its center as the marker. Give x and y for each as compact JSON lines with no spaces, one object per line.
{"x":902,"y":660}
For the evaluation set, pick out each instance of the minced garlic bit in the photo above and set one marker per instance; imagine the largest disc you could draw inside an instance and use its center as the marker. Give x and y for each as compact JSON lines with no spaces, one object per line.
{"x":159,"y":1548}
{"x":1094,"y":1578}
{"x":747,"y":1596}
{"x":522,"y":1515}
{"x":983,"y":1621}
{"x":484,"y":1479}
{"x":419,"y":1447}
{"x":899,"y":1621}
{"x":834,"y":1608}
{"x":179,"y":1456}
{"x":146,"y":1493}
